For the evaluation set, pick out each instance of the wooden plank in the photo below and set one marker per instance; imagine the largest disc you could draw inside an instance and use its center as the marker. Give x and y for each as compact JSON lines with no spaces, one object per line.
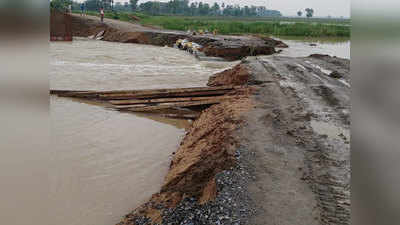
{"x":180,"y":116}
{"x":144,"y":94}
{"x":166,"y":100}
{"x":145,"y":91}
{"x":161,"y":95}
{"x":62,"y":92}
{"x":167,"y":90}
{"x":167,"y":106}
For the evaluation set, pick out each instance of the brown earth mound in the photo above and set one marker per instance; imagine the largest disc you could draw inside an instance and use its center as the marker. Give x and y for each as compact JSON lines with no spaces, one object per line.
{"x":233,"y":51}
{"x":207,"y":149}
{"x":238,"y":75}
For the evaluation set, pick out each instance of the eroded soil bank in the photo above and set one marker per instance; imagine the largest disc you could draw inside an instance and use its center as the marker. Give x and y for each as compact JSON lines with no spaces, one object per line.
{"x":280,"y":154}
{"x":227,"y":47}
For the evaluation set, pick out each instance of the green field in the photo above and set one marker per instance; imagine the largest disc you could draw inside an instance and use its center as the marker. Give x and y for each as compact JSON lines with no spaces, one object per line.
{"x":277,"y":26}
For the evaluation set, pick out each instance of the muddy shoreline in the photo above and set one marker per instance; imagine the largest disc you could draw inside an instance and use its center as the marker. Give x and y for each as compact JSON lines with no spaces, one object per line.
{"x":227,"y":47}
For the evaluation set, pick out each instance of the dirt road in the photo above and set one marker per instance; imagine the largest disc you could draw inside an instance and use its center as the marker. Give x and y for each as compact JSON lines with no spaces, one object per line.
{"x":300,"y":135}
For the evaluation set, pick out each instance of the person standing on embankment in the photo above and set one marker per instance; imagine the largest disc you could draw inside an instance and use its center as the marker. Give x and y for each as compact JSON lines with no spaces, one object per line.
{"x":82,"y":9}
{"x":102,"y":14}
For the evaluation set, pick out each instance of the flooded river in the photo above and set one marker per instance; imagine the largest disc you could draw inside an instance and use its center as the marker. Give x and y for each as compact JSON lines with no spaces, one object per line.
{"x":97,"y":65}
{"x":300,"y":46}
{"x":105,"y":162}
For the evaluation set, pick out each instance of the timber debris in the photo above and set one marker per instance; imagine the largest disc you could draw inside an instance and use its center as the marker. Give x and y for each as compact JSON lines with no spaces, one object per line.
{"x":176,"y":103}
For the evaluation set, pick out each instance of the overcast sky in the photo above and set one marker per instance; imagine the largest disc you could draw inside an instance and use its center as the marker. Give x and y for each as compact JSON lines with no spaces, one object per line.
{"x":290,"y":7}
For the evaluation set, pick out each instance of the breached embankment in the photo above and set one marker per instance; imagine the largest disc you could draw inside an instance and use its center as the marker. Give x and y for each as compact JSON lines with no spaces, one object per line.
{"x":227,"y":47}
{"x":279,"y":155}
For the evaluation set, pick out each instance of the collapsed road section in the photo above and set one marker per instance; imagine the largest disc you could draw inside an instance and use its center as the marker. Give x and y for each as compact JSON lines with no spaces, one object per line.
{"x":278,"y":155}
{"x":275,"y":152}
{"x":227,"y":47}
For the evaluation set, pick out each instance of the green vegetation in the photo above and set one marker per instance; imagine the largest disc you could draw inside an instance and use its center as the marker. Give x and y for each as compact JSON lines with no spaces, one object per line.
{"x":272,"y":27}
{"x":309,"y":12}
{"x":60,"y":4}
{"x":231,"y":25}
{"x":178,"y":7}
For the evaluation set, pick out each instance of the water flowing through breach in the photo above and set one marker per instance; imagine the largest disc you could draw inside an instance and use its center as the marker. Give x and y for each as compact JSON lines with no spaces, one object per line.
{"x":105,"y":163}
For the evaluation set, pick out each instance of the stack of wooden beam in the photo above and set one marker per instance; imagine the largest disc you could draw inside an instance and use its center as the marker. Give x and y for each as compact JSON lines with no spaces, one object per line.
{"x":178,"y":102}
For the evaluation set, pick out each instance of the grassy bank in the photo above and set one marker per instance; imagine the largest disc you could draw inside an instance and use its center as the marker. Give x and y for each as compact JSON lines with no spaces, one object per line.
{"x":225,"y":25}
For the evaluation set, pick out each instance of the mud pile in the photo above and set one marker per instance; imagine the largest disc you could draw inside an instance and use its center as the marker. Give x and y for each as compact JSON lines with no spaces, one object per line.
{"x":227,"y":47}
{"x":207,"y":149}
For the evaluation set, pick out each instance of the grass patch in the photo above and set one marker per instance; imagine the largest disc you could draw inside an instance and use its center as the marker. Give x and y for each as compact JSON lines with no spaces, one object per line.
{"x":266,"y":27}
{"x":313,"y":27}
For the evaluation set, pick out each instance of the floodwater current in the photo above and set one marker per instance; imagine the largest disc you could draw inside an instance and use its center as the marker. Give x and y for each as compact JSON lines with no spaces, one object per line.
{"x":301,"y":46}
{"x":106,"y":162}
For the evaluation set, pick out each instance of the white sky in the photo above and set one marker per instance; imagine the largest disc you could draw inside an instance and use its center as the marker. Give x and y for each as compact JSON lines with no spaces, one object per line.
{"x":290,"y":7}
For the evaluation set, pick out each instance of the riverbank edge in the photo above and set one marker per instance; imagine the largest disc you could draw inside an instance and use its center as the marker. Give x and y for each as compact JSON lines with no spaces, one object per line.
{"x":206,"y":177}
{"x":230,"y":48}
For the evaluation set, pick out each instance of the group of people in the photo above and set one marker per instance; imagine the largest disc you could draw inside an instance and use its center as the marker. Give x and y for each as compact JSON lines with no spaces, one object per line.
{"x":83,"y":11}
{"x":201,"y":32}
{"x":189,"y":46}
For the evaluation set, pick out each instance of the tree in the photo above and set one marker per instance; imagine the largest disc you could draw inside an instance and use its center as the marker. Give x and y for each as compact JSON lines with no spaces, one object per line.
{"x":246,"y":11}
{"x":299,"y":13}
{"x":215,"y":9}
{"x":193,"y":8}
{"x":133,"y":4}
{"x":60,"y":4}
{"x":206,"y":9}
{"x":309,"y":12}
{"x":186,"y":7}
{"x":107,"y":4}
{"x":93,"y":5}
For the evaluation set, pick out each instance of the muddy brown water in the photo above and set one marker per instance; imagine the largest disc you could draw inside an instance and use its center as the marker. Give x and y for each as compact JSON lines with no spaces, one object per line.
{"x":300,"y":46}
{"x":107,"y":163}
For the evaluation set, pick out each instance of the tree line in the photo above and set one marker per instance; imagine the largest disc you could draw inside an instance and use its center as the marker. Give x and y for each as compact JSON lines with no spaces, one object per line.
{"x":309,"y":12}
{"x":174,"y":7}
{"x":184,"y":7}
